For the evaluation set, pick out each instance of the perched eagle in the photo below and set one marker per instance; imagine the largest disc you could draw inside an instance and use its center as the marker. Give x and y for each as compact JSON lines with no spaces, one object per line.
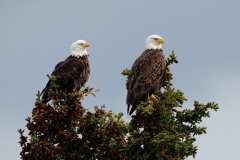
{"x":71,"y":73}
{"x":147,"y":73}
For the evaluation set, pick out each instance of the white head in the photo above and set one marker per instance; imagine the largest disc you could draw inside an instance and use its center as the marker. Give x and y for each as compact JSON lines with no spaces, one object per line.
{"x":154,"y":42}
{"x":78,"y":48}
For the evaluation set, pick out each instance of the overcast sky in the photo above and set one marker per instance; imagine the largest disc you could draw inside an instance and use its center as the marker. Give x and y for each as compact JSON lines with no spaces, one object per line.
{"x":35,"y":36}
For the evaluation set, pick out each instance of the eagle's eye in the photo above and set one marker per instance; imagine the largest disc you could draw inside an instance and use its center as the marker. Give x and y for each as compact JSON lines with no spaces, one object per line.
{"x":81,"y":44}
{"x":155,"y":39}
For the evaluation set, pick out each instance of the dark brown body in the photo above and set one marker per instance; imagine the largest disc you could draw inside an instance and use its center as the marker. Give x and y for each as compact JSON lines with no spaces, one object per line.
{"x":70,"y":74}
{"x":145,"y":77}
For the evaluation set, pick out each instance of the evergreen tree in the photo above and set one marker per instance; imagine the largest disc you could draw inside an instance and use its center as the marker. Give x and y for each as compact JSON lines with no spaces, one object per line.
{"x":66,"y":130}
{"x":160,"y":129}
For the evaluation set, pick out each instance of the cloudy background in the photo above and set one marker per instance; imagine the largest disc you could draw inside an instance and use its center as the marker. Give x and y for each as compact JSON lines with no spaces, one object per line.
{"x":36,"y":35}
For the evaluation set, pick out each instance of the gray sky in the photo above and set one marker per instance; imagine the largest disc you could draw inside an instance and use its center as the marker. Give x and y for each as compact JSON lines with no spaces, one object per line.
{"x":35,"y":36}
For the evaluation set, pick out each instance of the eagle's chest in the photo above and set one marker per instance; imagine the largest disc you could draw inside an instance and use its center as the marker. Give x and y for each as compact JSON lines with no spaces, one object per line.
{"x":157,"y":59}
{"x":83,"y":68}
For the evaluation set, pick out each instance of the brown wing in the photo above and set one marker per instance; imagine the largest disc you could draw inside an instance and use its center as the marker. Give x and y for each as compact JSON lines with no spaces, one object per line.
{"x":70,"y":74}
{"x":145,"y":77}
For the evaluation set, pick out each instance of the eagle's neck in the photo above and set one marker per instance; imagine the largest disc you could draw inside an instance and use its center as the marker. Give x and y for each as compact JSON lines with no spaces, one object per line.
{"x":79,"y":52}
{"x":153,"y":46}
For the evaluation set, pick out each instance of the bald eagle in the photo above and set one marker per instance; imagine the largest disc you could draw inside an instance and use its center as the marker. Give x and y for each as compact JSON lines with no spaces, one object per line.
{"x":147,"y":73}
{"x":71,"y":73}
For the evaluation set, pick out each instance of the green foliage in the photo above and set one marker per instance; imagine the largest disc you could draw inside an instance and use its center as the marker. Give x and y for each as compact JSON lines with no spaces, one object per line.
{"x":160,"y":129}
{"x":66,"y":130}
{"x":125,"y":72}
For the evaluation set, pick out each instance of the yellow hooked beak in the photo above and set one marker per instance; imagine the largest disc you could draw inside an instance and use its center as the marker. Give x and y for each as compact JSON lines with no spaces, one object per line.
{"x":86,"y":44}
{"x":160,"y":40}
